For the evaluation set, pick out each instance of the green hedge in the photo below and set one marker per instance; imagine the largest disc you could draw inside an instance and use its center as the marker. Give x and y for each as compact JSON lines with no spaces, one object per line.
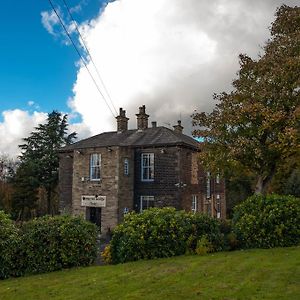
{"x":46,"y":244}
{"x":9,"y":240}
{"x":53,"y":243}
{"x":268,"y":221}
{"x":162,"y":233}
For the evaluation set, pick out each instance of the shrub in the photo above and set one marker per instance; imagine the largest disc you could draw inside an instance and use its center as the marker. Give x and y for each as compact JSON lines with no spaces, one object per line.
{"x":268,"y":221}
{"x":9,"y":239}
{"x":162,"y":232}
{"x":204,"y":246}
{"x":53,"y":243}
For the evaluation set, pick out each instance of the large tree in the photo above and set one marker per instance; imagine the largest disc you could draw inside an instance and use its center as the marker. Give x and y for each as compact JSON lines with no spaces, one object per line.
{"x":256,"y":126}
{"x":39,"y":158}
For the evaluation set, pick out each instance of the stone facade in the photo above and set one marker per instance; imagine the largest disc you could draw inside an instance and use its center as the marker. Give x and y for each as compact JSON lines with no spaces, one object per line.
{"x":179,"y":180}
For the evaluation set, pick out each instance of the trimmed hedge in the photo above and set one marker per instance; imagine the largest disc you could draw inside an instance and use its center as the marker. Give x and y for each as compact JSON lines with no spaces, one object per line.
{"x":161,"y":232}
{"x":268,"y":221}
{"x":46,"y":244}
{"x":54,"y":243}
{"x":9,"y":240}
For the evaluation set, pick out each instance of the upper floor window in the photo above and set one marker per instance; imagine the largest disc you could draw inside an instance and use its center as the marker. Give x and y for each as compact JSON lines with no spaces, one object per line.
{"x":126,"y":166}
{"x":95,"y":166}
{"x":194,"y":203}
{"x":147,"y":168}
{"x":146,"y":202}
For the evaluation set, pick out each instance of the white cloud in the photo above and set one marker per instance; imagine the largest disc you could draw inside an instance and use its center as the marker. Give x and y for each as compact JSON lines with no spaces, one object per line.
{"x":16,"y":125}
{"x":170,"y":55}
{"x":49,"y":21}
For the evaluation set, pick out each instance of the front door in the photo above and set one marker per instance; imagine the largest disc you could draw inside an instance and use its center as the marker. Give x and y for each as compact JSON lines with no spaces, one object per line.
{"x":94,"y":215}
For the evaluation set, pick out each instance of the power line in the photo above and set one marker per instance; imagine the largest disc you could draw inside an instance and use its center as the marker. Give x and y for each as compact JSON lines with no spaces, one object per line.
{"x":89,"y":54}
{"x":81,"y":58}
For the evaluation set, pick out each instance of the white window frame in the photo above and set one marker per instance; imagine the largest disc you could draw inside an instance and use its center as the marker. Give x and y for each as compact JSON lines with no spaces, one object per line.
{"x":208,"y":188}
{"x":194,"y":203}
{"x":94,"y":165}
{"x":218,"y":204}
{"x":145,"y":198}
{"x":126,"y":166}
{"x":218,"y":178}
{"x":148,"y":168}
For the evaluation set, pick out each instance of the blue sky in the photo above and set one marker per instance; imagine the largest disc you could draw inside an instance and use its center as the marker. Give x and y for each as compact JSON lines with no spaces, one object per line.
{"x":35,"y":66}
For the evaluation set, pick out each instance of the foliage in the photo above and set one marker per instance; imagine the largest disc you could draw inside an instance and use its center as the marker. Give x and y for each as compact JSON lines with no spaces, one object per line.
{"x":268,"y":221}
{"x":250,"y":274}
{"x":161,"y":233}
{"x":204,"y":246}
{"x":106,"y":255}
{"x":53,"y":243}
{"x":40,"y":158}
{"x":256,"y":126}
{"x":9,"y":239}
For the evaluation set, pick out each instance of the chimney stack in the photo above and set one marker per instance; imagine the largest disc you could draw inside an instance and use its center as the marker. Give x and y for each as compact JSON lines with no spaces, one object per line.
{"x":122,"y":121}
{"x":142,"y":118}
{"x":154,"y":124}
{"x":178,"y":128}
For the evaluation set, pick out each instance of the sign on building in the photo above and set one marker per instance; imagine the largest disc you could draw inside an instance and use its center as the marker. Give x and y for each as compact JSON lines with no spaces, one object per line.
{"x":93,"y":201}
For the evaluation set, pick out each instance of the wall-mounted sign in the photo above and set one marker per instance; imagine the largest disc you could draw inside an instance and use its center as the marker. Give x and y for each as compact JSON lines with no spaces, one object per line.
{"x":93,"y":201}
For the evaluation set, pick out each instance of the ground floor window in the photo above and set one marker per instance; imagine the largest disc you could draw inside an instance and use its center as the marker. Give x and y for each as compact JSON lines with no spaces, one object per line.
{"x":194,"y":203}
{"x":146,"y":202}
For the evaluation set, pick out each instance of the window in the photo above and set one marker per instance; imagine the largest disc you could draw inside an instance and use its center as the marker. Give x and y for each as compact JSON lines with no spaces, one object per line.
{"x":147,"y":168}
{"x":218,"y":207}
{"x":95,"y":166}
{"x":194,"y":203}
{"x":146,"y":202}
{"x":126,"y":166}
{"x":218,"y":178}
{"x":208,"y":185}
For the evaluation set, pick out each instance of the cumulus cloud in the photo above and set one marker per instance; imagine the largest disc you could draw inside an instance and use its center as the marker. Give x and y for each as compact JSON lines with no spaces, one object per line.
{"x":16,"y":125}
{"x":170,"y":55}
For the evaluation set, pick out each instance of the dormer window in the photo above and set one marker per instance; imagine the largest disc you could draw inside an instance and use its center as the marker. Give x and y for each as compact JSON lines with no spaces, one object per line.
{"x":95,"y":167}
{"x":147,"y":167}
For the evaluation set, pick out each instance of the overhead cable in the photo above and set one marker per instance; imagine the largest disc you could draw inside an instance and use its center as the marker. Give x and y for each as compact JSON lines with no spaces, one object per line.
{"x":79,"y":54}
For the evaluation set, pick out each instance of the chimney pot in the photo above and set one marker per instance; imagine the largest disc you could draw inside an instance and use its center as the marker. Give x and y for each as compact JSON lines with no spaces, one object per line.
{"x":154,"y":124}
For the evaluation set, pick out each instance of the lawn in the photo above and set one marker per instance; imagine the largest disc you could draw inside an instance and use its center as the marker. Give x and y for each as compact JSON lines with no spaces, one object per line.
{"x":251,"y":274}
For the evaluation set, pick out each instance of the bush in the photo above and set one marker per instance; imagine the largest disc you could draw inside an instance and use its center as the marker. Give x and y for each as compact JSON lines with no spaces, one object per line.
{"x":161,"y":233}
{"x":9,"y":239}
{"x":268,"y":221}
{"x":53,"y":243}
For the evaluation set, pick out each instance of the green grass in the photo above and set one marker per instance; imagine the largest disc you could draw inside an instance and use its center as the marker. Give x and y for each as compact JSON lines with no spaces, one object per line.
{"x":252,"y":274}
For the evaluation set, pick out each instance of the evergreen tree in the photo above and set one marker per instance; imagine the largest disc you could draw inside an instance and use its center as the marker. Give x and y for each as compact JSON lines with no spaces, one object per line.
{"x":40,"y":161}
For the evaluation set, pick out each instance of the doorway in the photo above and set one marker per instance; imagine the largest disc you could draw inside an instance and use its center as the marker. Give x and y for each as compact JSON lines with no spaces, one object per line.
{"x":93,"y":214}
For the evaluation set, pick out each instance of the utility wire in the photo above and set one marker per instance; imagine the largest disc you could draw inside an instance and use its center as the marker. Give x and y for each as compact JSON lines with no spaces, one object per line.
{"x":82,"y":59}
{"x":89,"y":54}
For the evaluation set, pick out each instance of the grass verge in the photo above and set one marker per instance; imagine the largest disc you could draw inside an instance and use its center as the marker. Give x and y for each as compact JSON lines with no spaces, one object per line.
{"x":251,"y":274}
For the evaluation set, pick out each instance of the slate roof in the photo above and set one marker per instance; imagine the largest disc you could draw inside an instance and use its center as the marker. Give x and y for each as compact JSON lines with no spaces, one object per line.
{"x":150,"y":137}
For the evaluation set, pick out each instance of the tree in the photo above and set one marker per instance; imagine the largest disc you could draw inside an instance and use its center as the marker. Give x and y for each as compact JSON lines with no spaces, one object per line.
{"x":8,"y":168}
{"x":39,"y":157}
{"x":256,"y":126}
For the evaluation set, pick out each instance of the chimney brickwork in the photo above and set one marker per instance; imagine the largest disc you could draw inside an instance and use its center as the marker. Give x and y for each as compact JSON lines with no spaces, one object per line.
{"x":122,"y":121}
{"x":142,"y":118}
{"x":178,"y":128}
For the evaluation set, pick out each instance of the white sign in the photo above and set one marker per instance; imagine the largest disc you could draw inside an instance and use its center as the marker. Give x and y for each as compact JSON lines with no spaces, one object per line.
{"x":93,"y":201}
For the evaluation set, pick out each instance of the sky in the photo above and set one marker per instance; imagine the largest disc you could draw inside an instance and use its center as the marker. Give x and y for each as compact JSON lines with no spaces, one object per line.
{"x":170,"y":55}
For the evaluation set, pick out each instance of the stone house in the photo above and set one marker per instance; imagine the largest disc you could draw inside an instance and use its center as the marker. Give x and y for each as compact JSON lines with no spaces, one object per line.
{"x":107,"y":175}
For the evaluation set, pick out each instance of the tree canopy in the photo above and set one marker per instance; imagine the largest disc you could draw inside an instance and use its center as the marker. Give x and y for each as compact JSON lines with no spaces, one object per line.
{"x":256,"y":126}
{"x":40,"y":161}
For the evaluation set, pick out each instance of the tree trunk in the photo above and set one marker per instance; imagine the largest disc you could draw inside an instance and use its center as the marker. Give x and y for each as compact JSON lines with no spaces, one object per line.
{"x":263,"y":182}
